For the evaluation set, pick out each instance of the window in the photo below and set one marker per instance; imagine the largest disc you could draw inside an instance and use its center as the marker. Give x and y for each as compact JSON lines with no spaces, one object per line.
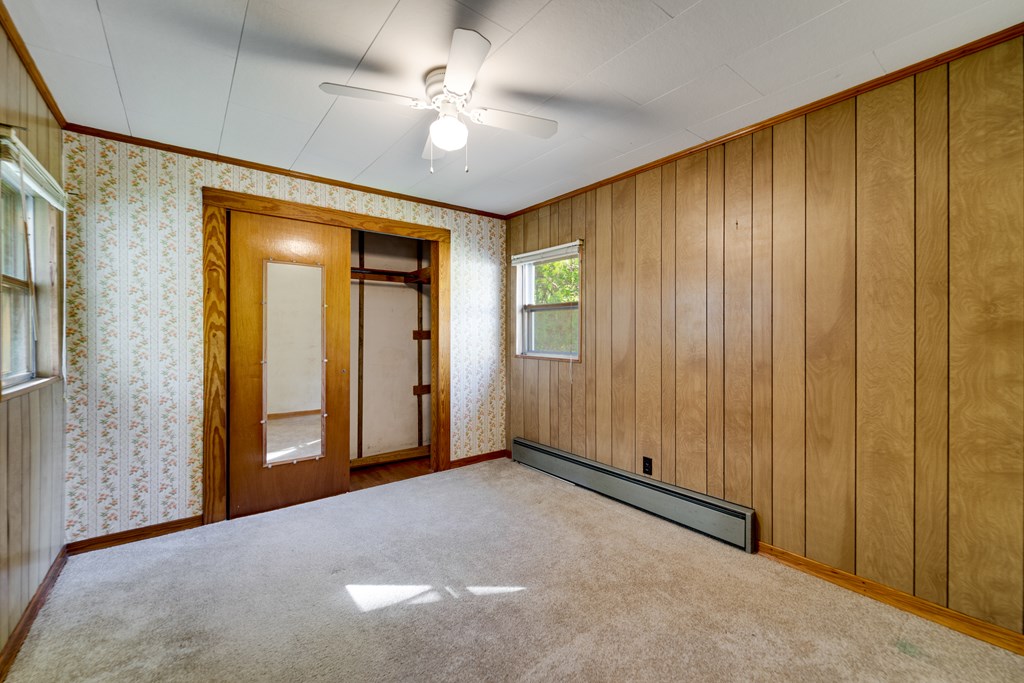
{"x":18,"y":346}
{"x":31,"y":232}
{"x":548,"y":302}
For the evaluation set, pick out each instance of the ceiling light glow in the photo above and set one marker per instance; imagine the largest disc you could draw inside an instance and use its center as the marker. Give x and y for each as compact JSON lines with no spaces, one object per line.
{"x":448,"y":133}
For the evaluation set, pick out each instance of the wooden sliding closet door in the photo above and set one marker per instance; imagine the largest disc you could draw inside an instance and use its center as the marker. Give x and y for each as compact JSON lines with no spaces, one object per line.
{"x":284,"y":450}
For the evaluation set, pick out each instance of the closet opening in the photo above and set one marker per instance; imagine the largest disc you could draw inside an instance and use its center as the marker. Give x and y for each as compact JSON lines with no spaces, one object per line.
{"x":390,"y":359}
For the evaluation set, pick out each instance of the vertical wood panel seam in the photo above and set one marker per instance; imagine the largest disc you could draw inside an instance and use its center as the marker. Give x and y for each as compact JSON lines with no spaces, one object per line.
{"x":856,"y":349}
{"x":636,"y":227}
{"x":750,"y":210}
{"x":723,"y":323}
{"x":805,"y":341}
{"x":949,"y":326}
{"x":913,"y":526}
{"x":771,"y":333}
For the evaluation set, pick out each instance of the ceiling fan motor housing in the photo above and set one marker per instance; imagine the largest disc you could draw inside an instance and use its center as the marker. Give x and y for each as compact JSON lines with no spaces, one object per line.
{"x":439,"y":96}
{"x":434,"y":81}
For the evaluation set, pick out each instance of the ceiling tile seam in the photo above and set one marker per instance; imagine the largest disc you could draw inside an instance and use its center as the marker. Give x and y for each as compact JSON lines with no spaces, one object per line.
{"x":734,"y":58}
{"x":231,"y":87}
{"x":598,"y":66}
{"x":626,"y":49}
{"x":369,"y":47}
{"x":348,"y":80}
{"x":32,"y":47}
{"x":661,"y":139}
{"x":113,"y":68}
{"x":380,"y":156}
{"x":512,"y":33}
{"x":484,"y":16}
{"x":663,"y":10}
{"x":699,"y":137}
{"x":738,"y":75}
{"x":782,"y":35}
{"x":302,"y":151}
{"x":596,"y":128}
{"x":874,"y":53}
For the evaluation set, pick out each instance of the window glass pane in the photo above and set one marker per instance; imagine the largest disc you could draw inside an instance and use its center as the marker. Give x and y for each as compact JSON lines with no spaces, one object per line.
{"x":15,"y":258}
{"x":16,"y":354}
{"x":555,"y":331}
{"x":556,"y":282}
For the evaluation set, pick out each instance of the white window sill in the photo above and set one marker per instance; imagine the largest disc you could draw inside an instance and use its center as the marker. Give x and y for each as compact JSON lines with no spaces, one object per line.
{"x":28,"y":387}
{"x":540,"y":356}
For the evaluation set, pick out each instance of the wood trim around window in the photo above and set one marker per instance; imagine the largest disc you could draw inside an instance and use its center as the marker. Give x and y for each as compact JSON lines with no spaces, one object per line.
{"x":217,"y":208}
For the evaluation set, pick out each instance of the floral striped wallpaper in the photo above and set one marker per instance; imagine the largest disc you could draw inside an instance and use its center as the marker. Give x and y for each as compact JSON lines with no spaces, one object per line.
{"x":134,"y":318}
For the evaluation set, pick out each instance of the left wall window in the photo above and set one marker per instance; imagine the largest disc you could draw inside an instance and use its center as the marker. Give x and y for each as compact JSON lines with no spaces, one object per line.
{"x":31,"y":243}
{"x":18,"y":341}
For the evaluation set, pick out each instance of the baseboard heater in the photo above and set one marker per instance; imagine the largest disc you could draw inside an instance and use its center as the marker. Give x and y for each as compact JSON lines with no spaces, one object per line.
{"x":727,"y":522}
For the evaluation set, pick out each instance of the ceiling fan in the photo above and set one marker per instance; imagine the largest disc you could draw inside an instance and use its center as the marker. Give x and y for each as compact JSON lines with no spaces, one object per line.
{"x":448,"y":92}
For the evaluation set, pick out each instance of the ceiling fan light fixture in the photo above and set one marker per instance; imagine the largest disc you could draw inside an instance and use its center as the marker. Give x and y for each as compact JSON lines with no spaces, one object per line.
{"x":448,"y":133}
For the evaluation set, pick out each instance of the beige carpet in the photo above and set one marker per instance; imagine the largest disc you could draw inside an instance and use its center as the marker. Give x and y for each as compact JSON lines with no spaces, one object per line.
{"x":488,"y":572}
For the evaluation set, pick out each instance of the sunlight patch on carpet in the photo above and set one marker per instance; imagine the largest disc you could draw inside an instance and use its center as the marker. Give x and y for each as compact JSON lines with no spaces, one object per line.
{"x":373,"y":597}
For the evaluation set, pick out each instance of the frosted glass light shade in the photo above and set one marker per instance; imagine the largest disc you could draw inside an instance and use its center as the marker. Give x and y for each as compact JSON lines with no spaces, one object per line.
{"x":448,"y":133}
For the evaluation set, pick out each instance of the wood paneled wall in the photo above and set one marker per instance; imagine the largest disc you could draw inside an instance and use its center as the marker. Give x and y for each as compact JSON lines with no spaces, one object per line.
{"x":22,"y":107}
{"x":31,"y":496}
{"x":823,"y":320}
{"x":31,"y":425}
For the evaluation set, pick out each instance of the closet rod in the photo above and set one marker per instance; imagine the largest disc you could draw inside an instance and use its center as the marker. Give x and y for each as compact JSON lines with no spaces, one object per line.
{"x":421,"y":276}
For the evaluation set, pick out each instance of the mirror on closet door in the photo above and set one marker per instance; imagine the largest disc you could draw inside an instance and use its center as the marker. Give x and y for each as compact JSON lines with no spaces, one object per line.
{"x":293,"y":362}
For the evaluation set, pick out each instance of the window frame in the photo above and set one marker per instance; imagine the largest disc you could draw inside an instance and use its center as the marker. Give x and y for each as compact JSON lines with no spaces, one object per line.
{"x":14,"y":380}
{"x":524,"y":265}
{"x":44,"y":206}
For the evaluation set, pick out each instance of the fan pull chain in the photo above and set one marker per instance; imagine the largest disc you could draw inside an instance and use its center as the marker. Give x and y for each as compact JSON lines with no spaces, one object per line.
{"x":467,"y":155}
{"x":431,"y":156}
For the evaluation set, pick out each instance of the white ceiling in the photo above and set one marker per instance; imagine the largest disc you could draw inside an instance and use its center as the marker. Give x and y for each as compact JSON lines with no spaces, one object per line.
{"x":629,"y":81}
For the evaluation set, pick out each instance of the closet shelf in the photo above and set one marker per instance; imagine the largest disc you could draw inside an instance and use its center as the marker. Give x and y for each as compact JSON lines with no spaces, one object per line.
{"x":416,"y":277}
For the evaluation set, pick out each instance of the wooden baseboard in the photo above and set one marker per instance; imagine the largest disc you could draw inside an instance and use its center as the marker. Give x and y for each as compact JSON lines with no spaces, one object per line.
{"x":483,"y":457}
{"x":393,"y":456}
{"x":976,"y":628}
{"x":140,"y":534}
{"x":17,"y":637}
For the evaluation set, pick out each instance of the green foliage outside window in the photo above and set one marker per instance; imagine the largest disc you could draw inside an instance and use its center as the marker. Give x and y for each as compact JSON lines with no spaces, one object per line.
{"x":557,"y":330}
{"x":556,"y":282}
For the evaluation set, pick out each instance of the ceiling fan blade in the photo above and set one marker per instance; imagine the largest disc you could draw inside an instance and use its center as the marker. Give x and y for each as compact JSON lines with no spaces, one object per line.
{"x":521,"y":123}
{"x":438,"y":152}
{"x":468,"y":51}
{"x":364,"y":94}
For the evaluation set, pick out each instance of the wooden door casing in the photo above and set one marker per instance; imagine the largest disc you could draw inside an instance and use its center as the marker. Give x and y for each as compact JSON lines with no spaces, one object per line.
{"x":218,"y":205}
